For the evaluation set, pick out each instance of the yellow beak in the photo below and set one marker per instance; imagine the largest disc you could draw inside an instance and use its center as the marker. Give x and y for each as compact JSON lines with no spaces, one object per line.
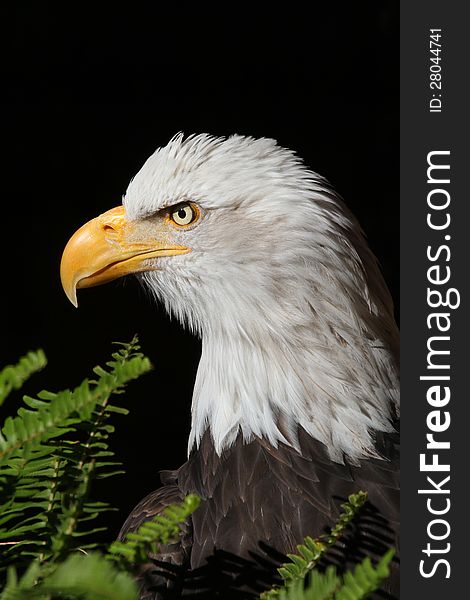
{"x":109,"y":247}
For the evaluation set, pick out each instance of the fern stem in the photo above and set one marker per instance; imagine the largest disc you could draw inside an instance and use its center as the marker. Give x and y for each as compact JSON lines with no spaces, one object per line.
{"x":51,"y":500}
{"x":78,"y":504}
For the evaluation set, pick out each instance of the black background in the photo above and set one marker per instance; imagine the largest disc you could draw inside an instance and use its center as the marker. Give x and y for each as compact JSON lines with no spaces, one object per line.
{"x":88,"y":95}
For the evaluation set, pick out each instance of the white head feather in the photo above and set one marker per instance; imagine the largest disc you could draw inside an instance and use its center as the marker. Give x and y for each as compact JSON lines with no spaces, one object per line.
{"x":296,"y":322}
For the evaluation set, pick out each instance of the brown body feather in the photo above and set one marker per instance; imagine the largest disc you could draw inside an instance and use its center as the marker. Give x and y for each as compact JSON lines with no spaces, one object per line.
{"x":258,"y":503}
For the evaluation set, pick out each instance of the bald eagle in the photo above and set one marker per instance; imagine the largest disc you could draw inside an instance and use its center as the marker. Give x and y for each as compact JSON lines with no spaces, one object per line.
{"x":295,"y":403}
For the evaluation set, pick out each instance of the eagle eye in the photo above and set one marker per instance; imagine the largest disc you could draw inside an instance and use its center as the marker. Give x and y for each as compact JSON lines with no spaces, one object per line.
{"x":184,"y":214}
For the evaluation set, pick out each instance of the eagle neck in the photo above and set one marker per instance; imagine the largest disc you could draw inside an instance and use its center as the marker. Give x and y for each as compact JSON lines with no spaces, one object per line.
{"x":235,"y":392}
{"x":261,"y":385}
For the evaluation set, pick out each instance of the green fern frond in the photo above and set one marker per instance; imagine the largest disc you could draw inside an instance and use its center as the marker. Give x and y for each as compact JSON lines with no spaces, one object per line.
{"x":80,"y":576}
{"x":365,"y":578}
{"x":322,"y":586}
{"x":21,"y":589}
{"x":312,"y":550}
{"x":94,"y":576}
{"x":26,"y":432}
{"x":151,"y":534}
{"x":49,"y":455}
{"x":12,"y":377}
{"x":354,"y":585}
{"x":89,"y":576}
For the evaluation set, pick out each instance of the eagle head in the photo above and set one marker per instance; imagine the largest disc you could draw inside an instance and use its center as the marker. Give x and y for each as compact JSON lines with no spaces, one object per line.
{"x":257,"y":255}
